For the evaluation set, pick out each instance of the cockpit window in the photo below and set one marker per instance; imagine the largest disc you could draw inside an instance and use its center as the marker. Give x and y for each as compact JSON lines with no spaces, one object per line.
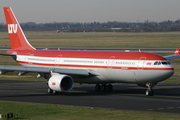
{"x":161,"y":63}
{"x":164,"y":63}
{"x":156,"y":63}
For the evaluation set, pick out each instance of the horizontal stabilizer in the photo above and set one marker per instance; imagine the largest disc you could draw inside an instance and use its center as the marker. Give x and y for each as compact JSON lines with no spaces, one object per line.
{"x":7,"y":54}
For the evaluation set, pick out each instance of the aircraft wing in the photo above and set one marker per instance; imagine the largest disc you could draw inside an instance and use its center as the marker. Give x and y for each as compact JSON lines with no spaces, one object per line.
{"x":7,"y":54}
{"x":171,"y":57}
{"x":45,"y":70}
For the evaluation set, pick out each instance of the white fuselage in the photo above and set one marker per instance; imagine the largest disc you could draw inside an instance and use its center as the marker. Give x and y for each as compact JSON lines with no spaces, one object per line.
{"x":105,"y":70}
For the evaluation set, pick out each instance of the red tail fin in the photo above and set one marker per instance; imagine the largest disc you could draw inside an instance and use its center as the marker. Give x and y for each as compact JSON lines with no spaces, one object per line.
{"x":177,"y":51}
{"x":17,"y":38}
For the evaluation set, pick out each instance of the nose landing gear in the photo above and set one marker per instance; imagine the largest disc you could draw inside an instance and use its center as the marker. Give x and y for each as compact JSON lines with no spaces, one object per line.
{"x":149,"y":91}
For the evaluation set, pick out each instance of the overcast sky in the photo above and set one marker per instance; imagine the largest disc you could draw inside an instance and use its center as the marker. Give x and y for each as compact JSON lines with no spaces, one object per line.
{"x":46,"y":11}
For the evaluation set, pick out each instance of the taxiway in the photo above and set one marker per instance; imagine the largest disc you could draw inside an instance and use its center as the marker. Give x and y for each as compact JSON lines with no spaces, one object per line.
{"x":128,"y":97}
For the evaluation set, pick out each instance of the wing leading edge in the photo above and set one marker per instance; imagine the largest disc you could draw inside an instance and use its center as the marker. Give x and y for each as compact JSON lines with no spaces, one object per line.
{"x":45,"y":70}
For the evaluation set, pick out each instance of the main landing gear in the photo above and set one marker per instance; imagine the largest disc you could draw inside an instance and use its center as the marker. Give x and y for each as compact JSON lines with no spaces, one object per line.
{"x":149,"y":91}
{"x":51,"y":91}
{"x":103,"y":87}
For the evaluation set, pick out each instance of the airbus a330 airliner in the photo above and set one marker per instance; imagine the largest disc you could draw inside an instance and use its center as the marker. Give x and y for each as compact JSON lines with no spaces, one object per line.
{"x":63,"y":68}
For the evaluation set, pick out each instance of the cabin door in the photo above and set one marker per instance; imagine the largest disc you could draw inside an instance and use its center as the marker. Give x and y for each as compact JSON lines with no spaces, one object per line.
{"x":141,"y":63}
{"x":57,"y":61}
{"x":110,"y":62}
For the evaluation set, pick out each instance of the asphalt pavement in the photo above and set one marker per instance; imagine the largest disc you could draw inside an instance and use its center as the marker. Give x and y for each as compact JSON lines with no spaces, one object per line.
{"x":128,"y":97}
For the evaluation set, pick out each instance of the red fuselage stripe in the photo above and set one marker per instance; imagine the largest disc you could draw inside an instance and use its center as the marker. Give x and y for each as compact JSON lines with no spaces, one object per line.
{"x":91,"y":66}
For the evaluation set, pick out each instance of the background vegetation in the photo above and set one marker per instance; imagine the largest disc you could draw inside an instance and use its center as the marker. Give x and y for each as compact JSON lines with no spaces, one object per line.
{"x":115,"y":26}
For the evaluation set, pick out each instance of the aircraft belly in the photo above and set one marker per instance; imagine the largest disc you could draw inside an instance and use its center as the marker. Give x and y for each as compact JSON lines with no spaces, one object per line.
{"x":130,"y":75}
{"x":114,"y":75}
{"x":90,"y":80}
{"x":119,"y":75}
{"x":147,"y":76}
{"x":136,"y":76}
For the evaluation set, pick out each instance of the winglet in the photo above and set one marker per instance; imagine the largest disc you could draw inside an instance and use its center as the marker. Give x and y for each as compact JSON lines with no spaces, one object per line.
{"x":177,"y":51}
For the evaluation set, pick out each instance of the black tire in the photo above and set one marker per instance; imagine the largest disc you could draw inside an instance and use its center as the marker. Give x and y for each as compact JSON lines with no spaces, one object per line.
{"x":147,"y":93}
{"x":97,"y":87}
{"x":152,"y":93}
{"x":55,"y":92}
{"x":103,"y":88}
{"x":109,"y":87}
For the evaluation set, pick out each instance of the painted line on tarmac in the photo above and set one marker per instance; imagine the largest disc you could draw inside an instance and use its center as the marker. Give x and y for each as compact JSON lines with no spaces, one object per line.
{"x":170,"y":108}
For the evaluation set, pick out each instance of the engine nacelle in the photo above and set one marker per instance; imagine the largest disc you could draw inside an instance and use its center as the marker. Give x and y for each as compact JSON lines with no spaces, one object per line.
{"x":60,"y":83}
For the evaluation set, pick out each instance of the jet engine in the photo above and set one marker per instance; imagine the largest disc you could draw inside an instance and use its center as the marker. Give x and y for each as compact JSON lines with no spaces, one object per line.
{"x":60,"y":83}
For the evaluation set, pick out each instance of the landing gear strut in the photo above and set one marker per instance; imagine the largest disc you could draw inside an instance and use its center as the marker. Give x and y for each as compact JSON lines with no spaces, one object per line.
{"x":50,"y":90}
{"x":103,"y":87}
{"x":149,"y":91}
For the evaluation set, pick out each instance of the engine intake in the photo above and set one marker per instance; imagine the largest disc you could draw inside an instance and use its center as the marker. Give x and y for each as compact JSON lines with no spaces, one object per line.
{"x":60,"y":82}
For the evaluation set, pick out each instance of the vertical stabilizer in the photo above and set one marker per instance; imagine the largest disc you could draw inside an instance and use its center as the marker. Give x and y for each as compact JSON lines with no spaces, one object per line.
{"x":17,"y":38}
{"x":177,"y":51}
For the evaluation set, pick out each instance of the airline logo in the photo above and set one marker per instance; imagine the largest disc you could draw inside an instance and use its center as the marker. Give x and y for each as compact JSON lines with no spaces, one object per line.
{"x":148,"y":63}
{"x":177,"y":52}
{"x":53,"y":83}
{"x":12,"y":28}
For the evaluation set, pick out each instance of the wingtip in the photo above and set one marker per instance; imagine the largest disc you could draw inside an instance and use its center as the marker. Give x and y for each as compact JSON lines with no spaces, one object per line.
{"x":177,"y":51}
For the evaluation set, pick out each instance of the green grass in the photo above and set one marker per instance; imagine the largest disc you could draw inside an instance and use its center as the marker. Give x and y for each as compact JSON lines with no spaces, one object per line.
{"x":99,"y":40}
{"x":34,"y":111}
{"x":172,"y":80}
{"x":109,"y":40}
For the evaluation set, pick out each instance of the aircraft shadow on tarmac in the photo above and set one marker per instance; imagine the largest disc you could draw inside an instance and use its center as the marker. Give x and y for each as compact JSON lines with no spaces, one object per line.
{"x":165,"y":90}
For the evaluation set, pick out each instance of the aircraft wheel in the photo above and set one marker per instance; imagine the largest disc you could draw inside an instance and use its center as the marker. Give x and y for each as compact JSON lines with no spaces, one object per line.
{"x":50,"y":90}
{"x":55,"y":92}
{"x":109,"y":87}
{"x":152,"y":93}
{"x":97,"y":87}
{"x":149,"y":93}
{"x":103,"y":88}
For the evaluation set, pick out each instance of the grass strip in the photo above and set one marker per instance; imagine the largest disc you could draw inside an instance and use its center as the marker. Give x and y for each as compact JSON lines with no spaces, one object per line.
{"x":35,"y":111}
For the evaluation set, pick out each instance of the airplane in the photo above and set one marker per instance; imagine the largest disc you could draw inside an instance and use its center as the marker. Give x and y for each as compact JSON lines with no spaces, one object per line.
{"x":63,"y":68}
